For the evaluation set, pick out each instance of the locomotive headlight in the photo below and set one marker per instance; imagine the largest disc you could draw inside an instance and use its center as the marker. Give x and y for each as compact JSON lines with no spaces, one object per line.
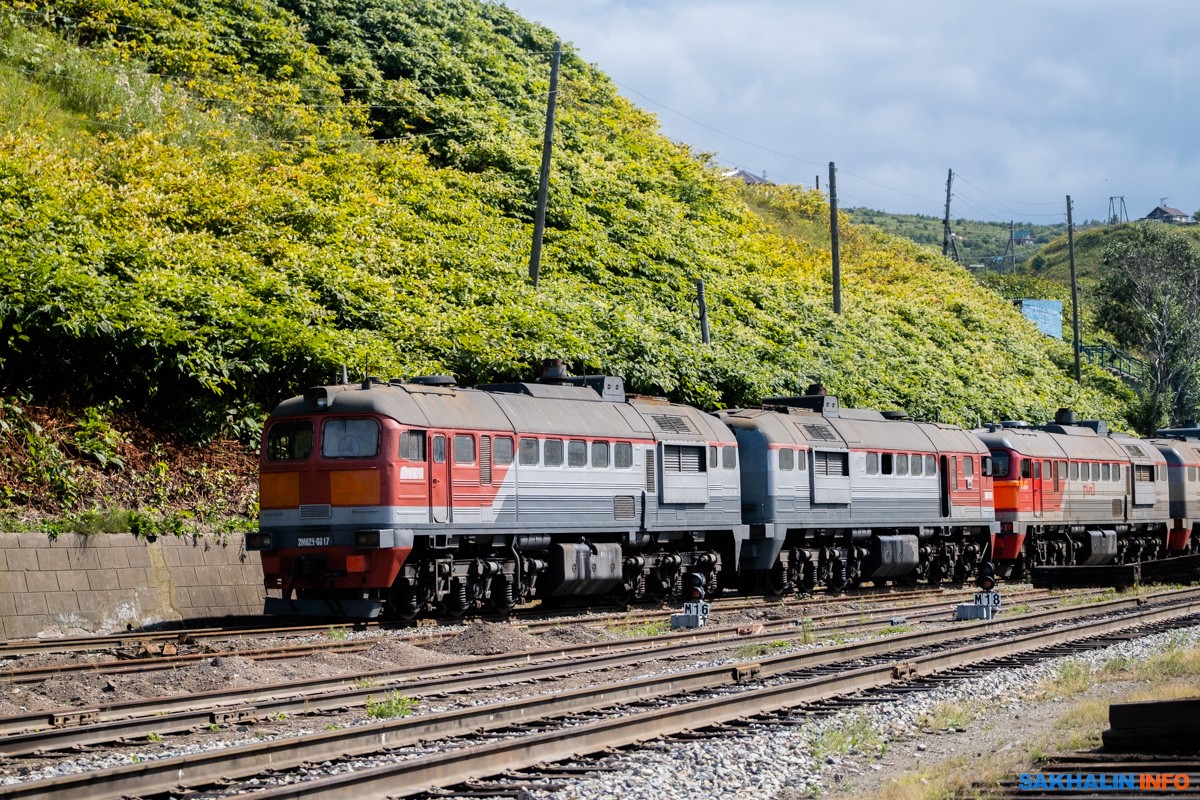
{"x":366,"y":539}
{"x":258,"y":541}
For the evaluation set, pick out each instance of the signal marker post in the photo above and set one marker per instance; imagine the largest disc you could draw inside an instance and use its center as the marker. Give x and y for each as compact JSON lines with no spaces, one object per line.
{"x":987,"y":600}
{"x":695,"y":611}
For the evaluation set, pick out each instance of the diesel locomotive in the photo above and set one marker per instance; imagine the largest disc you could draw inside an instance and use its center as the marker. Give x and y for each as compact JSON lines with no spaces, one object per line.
{"x":404,"y":498}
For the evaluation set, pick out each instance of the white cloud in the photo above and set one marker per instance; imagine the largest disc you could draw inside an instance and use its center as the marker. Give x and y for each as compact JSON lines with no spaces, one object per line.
{"x":1027,"y":101}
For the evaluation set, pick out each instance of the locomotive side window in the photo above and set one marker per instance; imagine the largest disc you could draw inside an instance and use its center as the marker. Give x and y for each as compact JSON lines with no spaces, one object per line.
{"x":930,"y":465}
{"x":729,"y":457}
{"x":969,"y":467}
{"x":439,"y":449}
{"x":623,"y":455}
{"x":1116,"y":472}
{"x":712,"y":456}
{"x":901,"y":464}
{"x":1001,"y":463}
{"x":1025,"y":462}
{"x":787,"y":459}
{"x":1095,"y":471}
{"x":412,"y":445}
{"x":917,"y":466}
{"x":464,"y":449}
{"x":350,"y":438}
{"x":290,"y":441}
{"x":1105,"y":472}
{"x":502,"y":451}
{"x":576,"y":453}
{"x":885,"y":464}
{"x":1162,"y":473}
{"x":553,"y":453}
{"x":1074,"y":470}
{"x":1191,"y":473}
{"x":872,"y":463}
{"x":529,"y":452}
{"x":600,"y":455}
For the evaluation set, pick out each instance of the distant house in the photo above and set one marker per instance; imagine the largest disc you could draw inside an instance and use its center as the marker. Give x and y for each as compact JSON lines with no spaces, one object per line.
{"x":747,"y":177}
{"x":1024,"y":237}
{"x":1170,"y":215}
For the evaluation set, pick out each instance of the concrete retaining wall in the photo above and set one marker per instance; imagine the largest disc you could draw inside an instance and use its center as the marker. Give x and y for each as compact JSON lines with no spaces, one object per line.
{"x":109,"y":582}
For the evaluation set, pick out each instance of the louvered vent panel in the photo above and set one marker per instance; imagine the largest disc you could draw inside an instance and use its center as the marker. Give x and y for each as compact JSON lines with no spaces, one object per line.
{"x":831,"y":464}
{"x":1143,"y":473}
{"x":1135,"y":449}
{"x":485,"y":460}
{"x":819,"y":433}
{"x":673,"y":423}
{"x":650,"y":484}
{"x":681,"y":458}
{"x":623,"y":507}
{"x":315,"y":511}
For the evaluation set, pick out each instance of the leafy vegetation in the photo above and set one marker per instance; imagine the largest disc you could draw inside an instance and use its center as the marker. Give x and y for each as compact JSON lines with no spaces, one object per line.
{"x":207,"y":205}
{"x":991,"y":245}
{"x":391,"y":706}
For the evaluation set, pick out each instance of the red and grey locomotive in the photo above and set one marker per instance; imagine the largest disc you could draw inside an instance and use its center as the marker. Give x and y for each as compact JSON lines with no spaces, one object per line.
{"x":419,"y":496}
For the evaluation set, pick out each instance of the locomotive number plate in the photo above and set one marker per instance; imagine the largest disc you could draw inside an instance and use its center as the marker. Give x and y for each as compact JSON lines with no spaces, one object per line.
{"x":314,"y":541}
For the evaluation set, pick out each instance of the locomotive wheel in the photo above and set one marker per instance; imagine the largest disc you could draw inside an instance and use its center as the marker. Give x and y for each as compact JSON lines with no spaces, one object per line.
{"x":502,"y":599}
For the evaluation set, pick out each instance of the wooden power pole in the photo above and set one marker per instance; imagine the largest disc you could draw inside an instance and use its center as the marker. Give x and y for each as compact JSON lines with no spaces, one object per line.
{"x":539,"y":223}
{"x":1074,"y":288}
{"x":833,"y":235}
{"x":946,"y":218}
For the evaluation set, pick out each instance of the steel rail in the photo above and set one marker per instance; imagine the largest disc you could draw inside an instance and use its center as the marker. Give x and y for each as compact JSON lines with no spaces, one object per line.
{"x":527,"y":618}
{"x":246,"y":760}
{"x":46,"y":731}
{"x":445,"y":769}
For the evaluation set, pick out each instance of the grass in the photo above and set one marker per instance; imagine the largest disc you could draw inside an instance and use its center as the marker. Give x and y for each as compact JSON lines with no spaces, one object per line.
{"x":392,"y":706}
{"x":760,"y":648}
{"x":890,"y":629}
{"x":946,"y":716}
{"x":336,"y":633}
{"x":856,"y":734}
{"x":657,"y":628}
{"x":1073,"y":677}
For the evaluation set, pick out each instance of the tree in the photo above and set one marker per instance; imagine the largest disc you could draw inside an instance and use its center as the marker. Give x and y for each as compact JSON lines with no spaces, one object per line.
{"x":1150,"y":301}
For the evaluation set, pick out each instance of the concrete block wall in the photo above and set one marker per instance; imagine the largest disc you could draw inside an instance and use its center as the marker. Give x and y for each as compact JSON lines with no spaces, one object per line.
{"x":102,"y":583}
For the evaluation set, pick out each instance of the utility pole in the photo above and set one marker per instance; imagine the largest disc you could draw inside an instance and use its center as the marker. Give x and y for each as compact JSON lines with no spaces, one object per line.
{"x":539,"y":223}
{"x":1012,"y":243}
{"x":946,"y":219}
{"x":833,"y":235}
{"x":1074,"y":287}
{"x":703,"y":304}
{"x":1116,"y":210}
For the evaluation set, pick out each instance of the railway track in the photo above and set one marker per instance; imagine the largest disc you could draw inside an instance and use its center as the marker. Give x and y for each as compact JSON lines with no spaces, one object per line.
{"x":563,"y":725}
{"x":73,"y":727}
{"x":151,"y":660}
{"x":131,"y":642}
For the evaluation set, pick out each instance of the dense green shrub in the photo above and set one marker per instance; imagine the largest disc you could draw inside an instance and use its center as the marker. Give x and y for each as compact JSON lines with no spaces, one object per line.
{"x":234,"y":241}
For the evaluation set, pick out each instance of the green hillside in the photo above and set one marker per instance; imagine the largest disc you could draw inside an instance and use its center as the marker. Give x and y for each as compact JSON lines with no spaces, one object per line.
{"x":206,"y":205}
{"x":983,"y":243}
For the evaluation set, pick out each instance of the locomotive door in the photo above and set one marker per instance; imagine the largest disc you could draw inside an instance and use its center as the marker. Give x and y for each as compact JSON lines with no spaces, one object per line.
{"x":440,"y":508}
{"x":1036,"y":486}
{"x":949,"y":480}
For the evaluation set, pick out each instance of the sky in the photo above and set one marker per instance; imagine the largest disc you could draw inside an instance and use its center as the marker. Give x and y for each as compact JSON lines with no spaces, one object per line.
{"x":1027,"y":102}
